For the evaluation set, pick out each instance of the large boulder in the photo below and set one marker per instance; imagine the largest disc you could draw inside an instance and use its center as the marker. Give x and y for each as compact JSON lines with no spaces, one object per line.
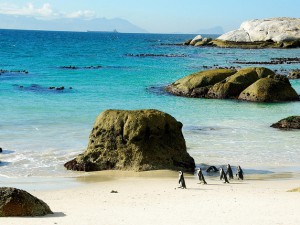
{"x":291,"y":122}
{"x":270,"y":89}
{"x":136,"y":140}
{"x":274,"y":32}
{"x":186,"y":85}
{"x":16,"y":202}
{"x":232,"y":86}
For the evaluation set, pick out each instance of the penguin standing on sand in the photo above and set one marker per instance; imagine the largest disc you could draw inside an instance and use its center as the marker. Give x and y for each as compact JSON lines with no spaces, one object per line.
{"x":240,"y":173}
{"x":201,"y":177}
{"x":223,"y":175}
{"x":229,"y":172}
{"x":181,"y":180}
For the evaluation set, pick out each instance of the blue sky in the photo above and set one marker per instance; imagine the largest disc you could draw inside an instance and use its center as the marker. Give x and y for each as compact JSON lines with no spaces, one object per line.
{"x":158,"y":16}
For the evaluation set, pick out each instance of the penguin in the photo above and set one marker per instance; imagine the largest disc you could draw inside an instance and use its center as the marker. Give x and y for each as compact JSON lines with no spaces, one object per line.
{"x":240,"y":173}
{"x":201,"y":177}
{"x":223,"y":175}
{"x":181,"y":180}
{"x":212,"y":169}
{"x":229,"y":172}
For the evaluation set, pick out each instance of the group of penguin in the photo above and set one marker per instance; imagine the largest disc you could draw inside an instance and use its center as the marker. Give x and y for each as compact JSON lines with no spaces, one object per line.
{"x":223,"y":175}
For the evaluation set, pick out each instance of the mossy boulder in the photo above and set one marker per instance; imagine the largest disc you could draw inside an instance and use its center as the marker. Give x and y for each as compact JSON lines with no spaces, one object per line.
{"x":270,"y":89}
{"x":232,"y":86}
{"x":186,"y":85}
{"x":136,"y":140}
{"x":291,"y":122}
{"x":16,"y":202}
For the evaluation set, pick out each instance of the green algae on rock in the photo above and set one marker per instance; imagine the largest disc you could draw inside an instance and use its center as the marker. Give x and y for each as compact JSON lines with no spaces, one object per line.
{"x":232,"y":86}
{"x":257,"y":84}
{"x":270,"y":89}
{"x":16,"y":202}
{"x":186,"y":85}
{"x":291,"y":122}
{"x":136,"y":140}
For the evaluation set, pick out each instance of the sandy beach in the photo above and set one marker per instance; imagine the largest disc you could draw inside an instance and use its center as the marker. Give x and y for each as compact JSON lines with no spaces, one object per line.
{"x":154,"y":198}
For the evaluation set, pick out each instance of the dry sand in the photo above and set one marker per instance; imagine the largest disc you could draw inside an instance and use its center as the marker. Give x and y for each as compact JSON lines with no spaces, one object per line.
{"x":154,"y":198}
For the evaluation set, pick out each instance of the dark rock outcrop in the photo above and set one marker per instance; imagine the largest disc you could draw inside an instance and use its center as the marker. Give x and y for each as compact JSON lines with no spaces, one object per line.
{"x":16,"y":202}
{"x":291,"y":122}
{"x":136,"y":140}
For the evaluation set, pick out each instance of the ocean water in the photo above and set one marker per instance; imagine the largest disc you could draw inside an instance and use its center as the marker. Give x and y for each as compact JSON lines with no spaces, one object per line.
{"x":41,"y":129}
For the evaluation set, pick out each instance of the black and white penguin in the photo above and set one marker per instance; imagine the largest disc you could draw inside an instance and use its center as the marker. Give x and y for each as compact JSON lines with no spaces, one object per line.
{"x":223,"y":175}
{"x":240,"y":173}
{"x":181,"y":180}
{"x":229,"y":172}
{"x":201,"y":177}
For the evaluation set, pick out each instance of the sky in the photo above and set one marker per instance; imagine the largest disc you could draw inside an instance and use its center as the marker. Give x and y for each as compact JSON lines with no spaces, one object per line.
{"x":158,"y":16}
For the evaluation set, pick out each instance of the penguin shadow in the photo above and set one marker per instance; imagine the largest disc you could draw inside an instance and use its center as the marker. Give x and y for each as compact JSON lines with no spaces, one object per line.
{"x":6,"y":152}
{"x":54,"y":215}
{"x":4,"y":163}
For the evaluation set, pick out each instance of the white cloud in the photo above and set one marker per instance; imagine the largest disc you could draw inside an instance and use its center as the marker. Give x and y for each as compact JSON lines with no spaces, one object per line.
{"x":44,"y":12}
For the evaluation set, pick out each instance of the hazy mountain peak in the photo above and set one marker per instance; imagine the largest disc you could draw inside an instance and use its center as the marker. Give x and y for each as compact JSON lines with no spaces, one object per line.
{"x":68,"y":24}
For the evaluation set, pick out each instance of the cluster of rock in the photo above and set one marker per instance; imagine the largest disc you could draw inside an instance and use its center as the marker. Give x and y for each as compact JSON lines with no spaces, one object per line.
{"x":157,"y":55}
{"x":136,"y":140}
{"x":13,"y":71}
{"x":259,"y":33}
{"x":198,"y":41}
{"x":294,"y":74}
{"x":291,"y":122}
{"x":84,"y":67}
{"x":16,"y":202}
{"x":256,"y":84}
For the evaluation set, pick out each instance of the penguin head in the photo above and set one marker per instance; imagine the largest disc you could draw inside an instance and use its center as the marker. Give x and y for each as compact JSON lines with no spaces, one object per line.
{"x":180,"y":172}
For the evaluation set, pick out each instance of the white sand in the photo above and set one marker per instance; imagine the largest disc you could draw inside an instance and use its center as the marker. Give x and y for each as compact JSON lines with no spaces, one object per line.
{"x":156,"y":200}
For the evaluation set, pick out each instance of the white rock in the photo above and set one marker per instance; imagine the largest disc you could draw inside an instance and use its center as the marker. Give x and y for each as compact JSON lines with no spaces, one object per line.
{"x":196,"y":39}
{"x":275,"y":29}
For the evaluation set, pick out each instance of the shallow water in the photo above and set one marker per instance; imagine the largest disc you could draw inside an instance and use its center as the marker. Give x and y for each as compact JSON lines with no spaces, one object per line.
{"x":41,"y":129}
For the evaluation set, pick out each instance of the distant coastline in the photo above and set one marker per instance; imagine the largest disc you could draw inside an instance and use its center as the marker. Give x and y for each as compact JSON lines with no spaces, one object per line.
{"x":94,"y":31}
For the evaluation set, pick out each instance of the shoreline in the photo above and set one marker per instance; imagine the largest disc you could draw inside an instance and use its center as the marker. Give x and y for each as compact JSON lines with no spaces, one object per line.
{"x":154,"y":197}
{"x":81,"y":179}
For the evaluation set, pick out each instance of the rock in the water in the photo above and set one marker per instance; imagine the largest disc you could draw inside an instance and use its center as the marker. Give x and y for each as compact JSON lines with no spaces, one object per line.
{"x":196,"y":39}
{"x":275,"y":29}
{"x":187,"y":42}
{"x":295,"y":74}
{"x":232,"y":86}
{"x":285,"y":31}
{"x":136,"y":140}
{"x":16,"y":202}
{"x":203,"y":42}
{"x":291,"y":122}
{"x":186,"y":85}
{"x":270,"y":89}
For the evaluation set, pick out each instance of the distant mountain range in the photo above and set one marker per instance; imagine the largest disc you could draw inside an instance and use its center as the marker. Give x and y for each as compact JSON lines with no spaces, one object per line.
{"x":212,"y":30}
{"x":68,"y":24}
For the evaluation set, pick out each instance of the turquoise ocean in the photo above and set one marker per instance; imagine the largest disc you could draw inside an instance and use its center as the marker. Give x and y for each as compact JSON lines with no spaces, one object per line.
{"x":42,"y":128}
